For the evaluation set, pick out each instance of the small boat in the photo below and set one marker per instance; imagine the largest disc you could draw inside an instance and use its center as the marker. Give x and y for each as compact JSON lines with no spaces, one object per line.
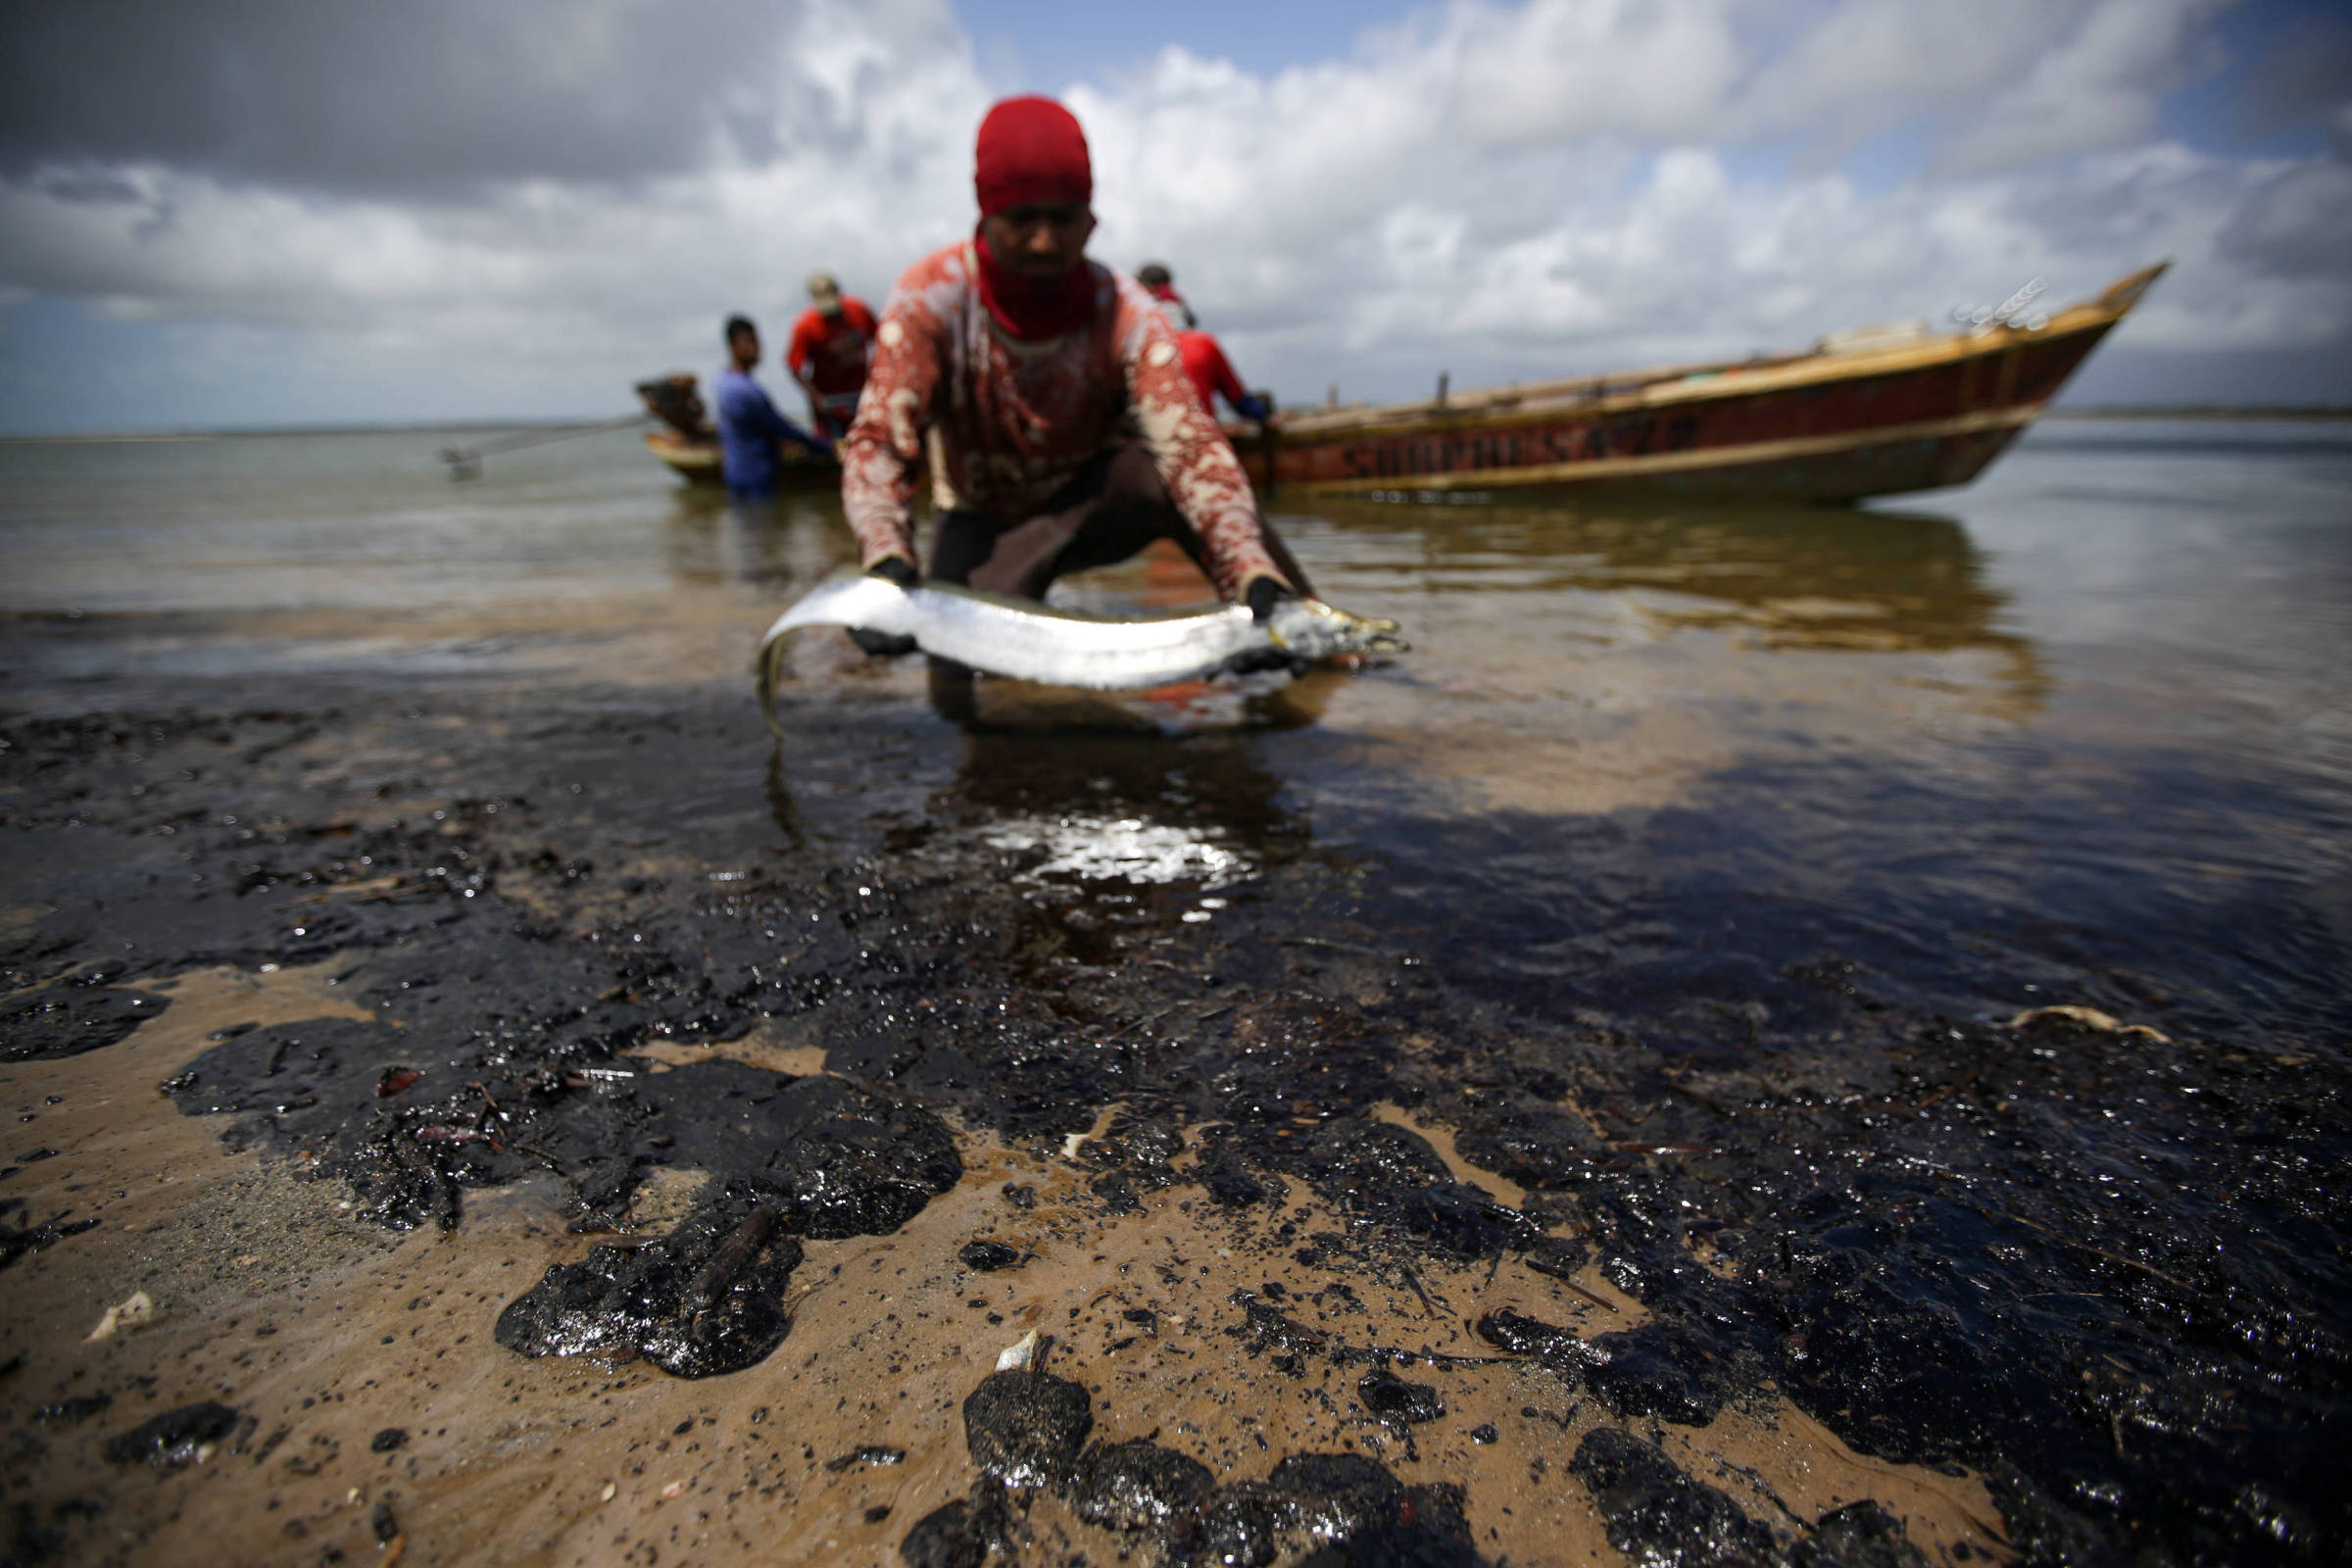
{"x":1874,"y":412}
{"x":687,"y":442}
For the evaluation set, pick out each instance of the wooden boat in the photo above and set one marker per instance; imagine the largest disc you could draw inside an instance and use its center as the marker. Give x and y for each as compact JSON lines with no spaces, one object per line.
{"x":687,"y":442}
{"x":1875,"y":411}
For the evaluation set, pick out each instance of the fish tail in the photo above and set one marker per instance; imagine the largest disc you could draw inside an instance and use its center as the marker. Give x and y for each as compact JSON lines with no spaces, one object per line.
{"x":768,"y":670}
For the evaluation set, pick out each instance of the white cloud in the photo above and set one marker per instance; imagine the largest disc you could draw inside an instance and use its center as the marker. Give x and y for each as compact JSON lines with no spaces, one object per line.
{"x":1651,"y":70}
{"x":2093,"y":91}
{"x":1504,"y":190}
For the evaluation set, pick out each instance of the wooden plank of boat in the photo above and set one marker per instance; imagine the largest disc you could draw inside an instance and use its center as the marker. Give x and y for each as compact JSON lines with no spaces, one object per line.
{"x":698,"y":463}
{"x":689,"y":441}
{"x":1868,"y":418}
{"x":695,"y":461}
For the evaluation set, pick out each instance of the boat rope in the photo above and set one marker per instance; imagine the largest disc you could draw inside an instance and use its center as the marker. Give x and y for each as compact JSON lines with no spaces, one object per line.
{"x":466,"y":463}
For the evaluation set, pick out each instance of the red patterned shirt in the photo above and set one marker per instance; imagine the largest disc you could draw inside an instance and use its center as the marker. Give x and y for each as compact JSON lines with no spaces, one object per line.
{"x":1014,"y":420}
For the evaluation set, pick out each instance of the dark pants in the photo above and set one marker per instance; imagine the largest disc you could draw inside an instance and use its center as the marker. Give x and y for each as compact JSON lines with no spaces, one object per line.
{"x":1112,"y":508}
{"x":833,"y":412}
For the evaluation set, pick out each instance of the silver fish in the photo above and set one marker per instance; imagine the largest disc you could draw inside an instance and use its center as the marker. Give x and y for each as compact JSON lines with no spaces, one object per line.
{"x":1026,"y":640}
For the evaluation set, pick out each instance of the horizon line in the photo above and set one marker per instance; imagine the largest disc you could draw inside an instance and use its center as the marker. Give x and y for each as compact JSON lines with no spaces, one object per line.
{"x":2088,"y":410}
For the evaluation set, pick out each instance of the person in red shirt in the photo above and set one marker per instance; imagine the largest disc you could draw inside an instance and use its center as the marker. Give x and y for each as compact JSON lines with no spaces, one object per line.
{"x":830,"y":345}
{"x":1160,"y":284}
{"x":1205,"y":365}
{"x":1204,"y":361}
{"x":1052,"y":395}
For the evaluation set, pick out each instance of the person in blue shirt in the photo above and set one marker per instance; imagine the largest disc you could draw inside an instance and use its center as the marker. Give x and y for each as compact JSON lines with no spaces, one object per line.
{"x":749,"y":427}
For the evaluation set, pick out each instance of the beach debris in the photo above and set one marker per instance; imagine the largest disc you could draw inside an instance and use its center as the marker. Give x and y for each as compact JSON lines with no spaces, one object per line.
{"x":1230,"y":1182}
{"x":1521,"y":1335}
{"x":1137,"y":1484}
{"x":71,"y":1017}
{"x":135,"y":1310}
{"x":1463,"y":1221}
{"x":1654,"y":1513}
{"x":75,"y":1409}
{"x":176,"y":1438}
{"x":986,"y":1257}
{"x":2090,"y":1018}
{"x":1389,"y":1396}
{"x":707,"y":1298}
{"x":15,"y":1243}
{"x":1538,"y":1146}
{"x":1860,"y":1534}
{"x":873,"y":1453}
{"x":602,"y":1193}
{"x":1659,"y":1369}
{"x":959,"y":1534}
{"x":1025,"y":1428}
{"x":1345,"y":1500}
{"x":1559,"y":1258}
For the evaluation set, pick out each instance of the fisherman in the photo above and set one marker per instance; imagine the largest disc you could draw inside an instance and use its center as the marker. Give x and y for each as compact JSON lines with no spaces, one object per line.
{"x":830,"y":345}
{"x":750,"y":430}
{"x":1063,"y":432}
{"x":1204,"y":361}
{"x":1207,"y":367}
{"x":1160,"y":284}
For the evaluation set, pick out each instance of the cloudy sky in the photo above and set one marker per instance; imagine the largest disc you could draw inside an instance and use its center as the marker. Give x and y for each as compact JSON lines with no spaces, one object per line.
{"x":277,"y":211}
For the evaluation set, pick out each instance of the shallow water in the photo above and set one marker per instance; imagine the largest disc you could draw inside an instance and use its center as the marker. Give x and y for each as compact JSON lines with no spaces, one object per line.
{"x":1682,"y":883}
{"x":2076,"y":731}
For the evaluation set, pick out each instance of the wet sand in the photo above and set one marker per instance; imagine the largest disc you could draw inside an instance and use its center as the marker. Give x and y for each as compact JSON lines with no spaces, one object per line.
{"x":371,"y":1397}
{"x":470,"y":1019}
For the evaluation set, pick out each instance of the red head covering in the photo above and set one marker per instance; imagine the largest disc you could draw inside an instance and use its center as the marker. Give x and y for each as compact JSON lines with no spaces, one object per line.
{"x":1031,"y":151}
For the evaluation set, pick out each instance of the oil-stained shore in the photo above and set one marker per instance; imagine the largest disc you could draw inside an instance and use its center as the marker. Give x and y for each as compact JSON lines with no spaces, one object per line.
{"x":529,"y":1125}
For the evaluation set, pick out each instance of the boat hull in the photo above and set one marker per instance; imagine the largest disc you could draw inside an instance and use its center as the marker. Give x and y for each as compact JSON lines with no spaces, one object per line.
{"x":695,"y":461}
{"x":698,"y":463}
{"x":1921,"y":415}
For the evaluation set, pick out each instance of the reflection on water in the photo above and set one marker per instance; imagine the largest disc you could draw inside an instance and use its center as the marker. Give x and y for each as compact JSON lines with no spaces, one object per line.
{"x":1120,"y":832}
{"x":2078,"y":727}
{"x":1210,"y":787}
{"x":1834,"y":577}
{"x":709,"y":537}
{"x":1144,"y":821}
{"x":1264,"y":702}
{"x":1127,"y":849}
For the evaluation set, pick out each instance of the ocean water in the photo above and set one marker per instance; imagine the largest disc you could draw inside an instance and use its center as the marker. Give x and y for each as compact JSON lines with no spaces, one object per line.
{"x":2077,"y":732}
{"x":1697,"y":873}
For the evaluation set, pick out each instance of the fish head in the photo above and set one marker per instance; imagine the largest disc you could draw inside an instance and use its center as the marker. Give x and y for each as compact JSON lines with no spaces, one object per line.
{"x":1309,"y":628}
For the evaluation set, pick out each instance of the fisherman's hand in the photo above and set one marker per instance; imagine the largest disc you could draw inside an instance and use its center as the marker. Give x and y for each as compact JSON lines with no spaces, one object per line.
{"x":883,"y":644}
{"x":1262,"y":594}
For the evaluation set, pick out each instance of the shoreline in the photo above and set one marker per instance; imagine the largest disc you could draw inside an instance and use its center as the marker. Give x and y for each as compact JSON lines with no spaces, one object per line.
{"x":637,"y":1033}
{"x":2185,"y":412}
{"x":339,"y":1437}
